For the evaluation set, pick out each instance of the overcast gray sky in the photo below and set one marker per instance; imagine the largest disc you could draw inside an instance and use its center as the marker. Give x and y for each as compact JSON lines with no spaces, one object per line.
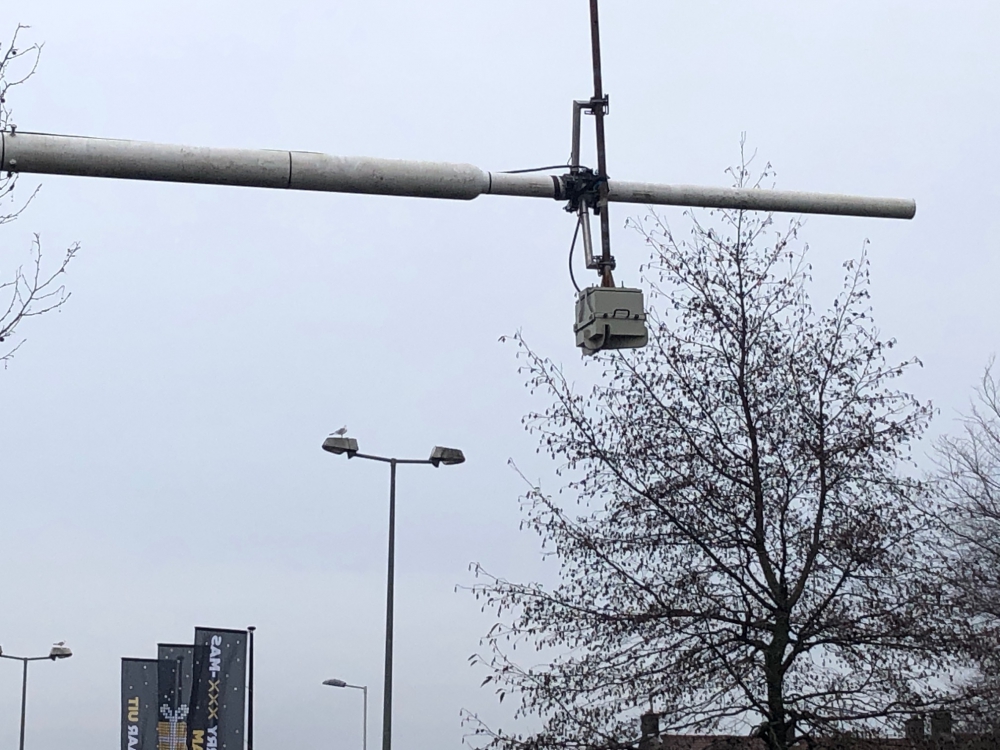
{"x":160,"y":437}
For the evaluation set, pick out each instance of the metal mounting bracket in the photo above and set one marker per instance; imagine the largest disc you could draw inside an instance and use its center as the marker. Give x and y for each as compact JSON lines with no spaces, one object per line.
{"x":581,"y":107}
{"x":582,"y":186}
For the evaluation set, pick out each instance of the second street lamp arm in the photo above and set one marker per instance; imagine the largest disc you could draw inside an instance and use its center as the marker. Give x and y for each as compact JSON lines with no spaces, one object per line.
{"x":389,"y":459}
{"x":29,"y":658}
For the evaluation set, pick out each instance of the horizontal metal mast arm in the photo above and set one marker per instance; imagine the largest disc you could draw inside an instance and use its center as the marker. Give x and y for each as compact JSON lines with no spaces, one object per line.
{"x":40,"y":153}
{"x":761,"y":200}
{"x":291,"y":170}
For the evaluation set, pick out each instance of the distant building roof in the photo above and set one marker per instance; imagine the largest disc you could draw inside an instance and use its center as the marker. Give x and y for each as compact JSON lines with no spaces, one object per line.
{"x":941,"y":737}
{"x":957,"y":741}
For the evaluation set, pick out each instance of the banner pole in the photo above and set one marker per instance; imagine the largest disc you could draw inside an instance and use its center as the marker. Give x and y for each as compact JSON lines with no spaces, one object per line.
{"x":250,"y":630}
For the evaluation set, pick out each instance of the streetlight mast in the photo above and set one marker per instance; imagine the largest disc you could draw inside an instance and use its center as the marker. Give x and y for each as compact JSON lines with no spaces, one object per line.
{"x":58,"y":651}
{"x":339,"y":444}
{"x":364,"y":710}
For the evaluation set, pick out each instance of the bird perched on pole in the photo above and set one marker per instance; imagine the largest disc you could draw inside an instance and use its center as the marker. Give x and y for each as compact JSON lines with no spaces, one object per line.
{"x":341,"y":432}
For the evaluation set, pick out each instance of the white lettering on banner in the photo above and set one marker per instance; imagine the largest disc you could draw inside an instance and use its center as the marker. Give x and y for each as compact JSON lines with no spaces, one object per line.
{"x":215,"y":662}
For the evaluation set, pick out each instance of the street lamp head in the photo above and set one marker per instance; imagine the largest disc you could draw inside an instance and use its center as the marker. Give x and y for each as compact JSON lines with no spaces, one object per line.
{"x":60,"y":652}
{"x":335,"y":683}
{"x":446,"y":456}
{"x":339,"y":444}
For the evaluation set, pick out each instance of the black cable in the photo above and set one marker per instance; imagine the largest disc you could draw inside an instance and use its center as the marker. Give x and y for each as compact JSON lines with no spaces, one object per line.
{"x":536,"y":169}
{"x":572,"y":245}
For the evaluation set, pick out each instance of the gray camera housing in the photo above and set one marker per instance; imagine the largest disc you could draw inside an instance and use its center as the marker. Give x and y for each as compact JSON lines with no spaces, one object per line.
{"x":610,"y":318}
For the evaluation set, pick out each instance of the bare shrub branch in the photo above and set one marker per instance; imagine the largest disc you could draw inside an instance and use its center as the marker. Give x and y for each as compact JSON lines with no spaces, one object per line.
{"x":741,"y":535}
{"x":968,"y":468}
{"x":32,"y":288}
{"x":30,"y":293}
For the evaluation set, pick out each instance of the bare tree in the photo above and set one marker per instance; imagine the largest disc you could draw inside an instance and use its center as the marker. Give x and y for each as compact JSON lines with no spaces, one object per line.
{"x":740,"y":543}
{"x":969,"y":472}
{"x":32,"y":288}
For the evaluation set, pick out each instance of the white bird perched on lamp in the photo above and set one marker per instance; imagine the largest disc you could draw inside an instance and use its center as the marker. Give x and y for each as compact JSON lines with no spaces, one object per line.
{"x":341,"y":432}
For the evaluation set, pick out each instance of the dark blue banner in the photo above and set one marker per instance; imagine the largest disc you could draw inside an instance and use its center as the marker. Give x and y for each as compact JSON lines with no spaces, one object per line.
{"x":139,"y":704}
{"x":176,"y":690}
{"x":217,"y":720}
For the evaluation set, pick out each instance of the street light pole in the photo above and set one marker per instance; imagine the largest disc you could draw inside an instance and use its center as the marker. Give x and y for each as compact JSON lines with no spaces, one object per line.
{"x":339,"y":444}
{"x":24,"y":700}
{"x":364,"y":710}
{"x":57,"y":652}
{"x":364,"y":717}
{"x":389,"y":598}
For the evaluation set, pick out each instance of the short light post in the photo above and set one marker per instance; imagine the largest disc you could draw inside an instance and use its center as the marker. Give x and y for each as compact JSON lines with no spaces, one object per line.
{"x":59,"y":651}
{"x":364,"y":690}
{"x":340,"y":444}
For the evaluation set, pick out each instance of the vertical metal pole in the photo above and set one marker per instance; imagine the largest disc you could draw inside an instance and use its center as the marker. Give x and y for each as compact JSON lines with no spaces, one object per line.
{"x":24,"y":698}
{"x":574,"y":152}
{"x":387,"y":690}
{"x":588,"y":243}
{"x":364,"y":729}
{"x":250,"y":630}
{"x":178,"y":666}
{"x":602,"y":160}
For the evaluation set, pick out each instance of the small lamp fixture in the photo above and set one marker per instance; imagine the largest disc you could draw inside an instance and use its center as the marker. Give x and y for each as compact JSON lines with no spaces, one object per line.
{"x":339,"y":444}
{"x":60,"y":651}
{"x":446,"y":456}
